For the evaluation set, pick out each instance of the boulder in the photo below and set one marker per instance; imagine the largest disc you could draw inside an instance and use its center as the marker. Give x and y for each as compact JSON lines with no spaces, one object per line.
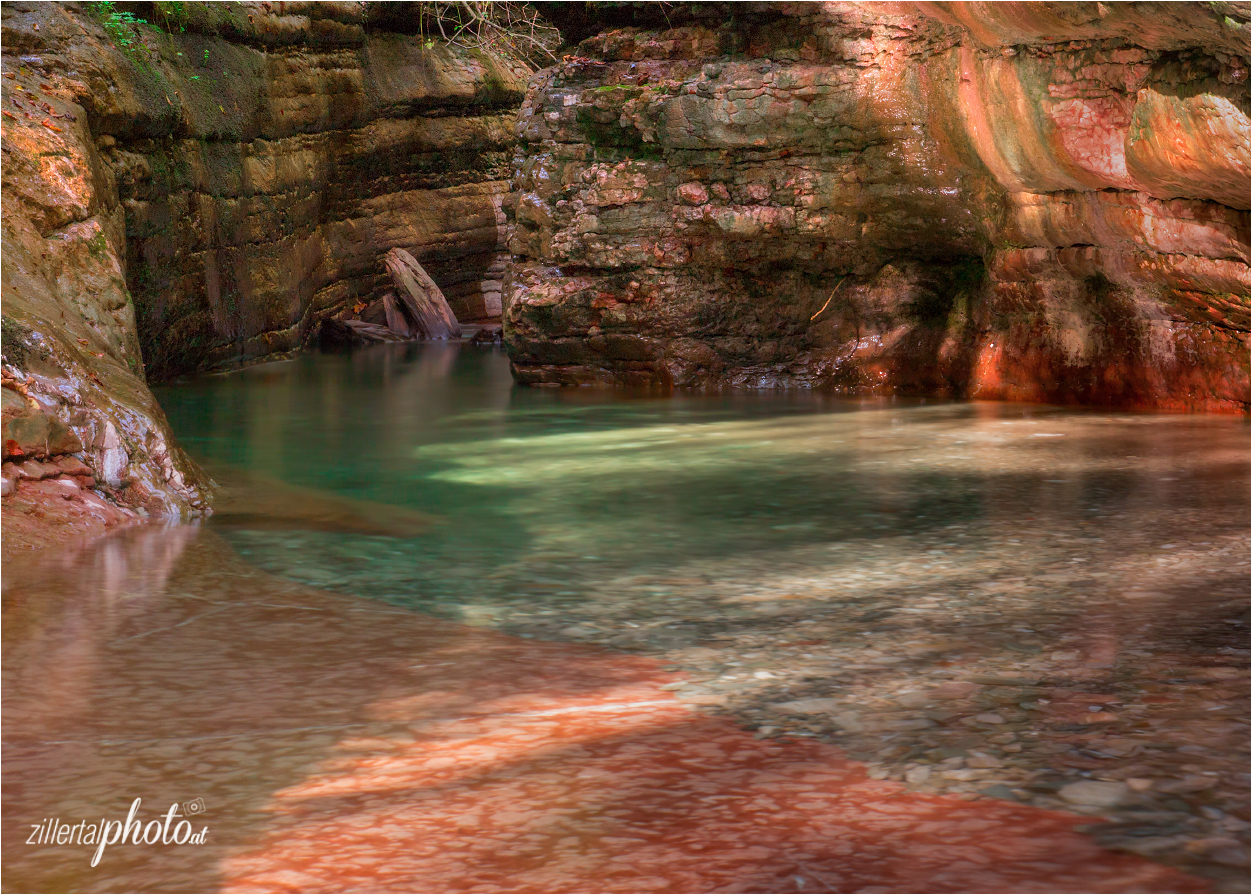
{"x":31,"y":433}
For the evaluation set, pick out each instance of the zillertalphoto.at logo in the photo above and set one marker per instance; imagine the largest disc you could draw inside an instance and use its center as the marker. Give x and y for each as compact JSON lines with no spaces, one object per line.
{"x":162,"y":831}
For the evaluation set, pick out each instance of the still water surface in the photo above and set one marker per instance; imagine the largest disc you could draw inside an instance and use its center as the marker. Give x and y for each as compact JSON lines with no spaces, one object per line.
{"x":554,"y":497}
{"x":773,"y":546}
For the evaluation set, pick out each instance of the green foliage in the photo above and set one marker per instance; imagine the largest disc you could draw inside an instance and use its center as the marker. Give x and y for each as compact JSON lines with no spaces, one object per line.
{"x":98,"y":246}
{"x":173,"y":14}
{"x":122,"y":27}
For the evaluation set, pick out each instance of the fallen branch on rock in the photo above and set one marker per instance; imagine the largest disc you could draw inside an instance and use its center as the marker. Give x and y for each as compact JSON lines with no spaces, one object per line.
{"x":832,"y":295}
{"x":422,"y":299}
{"x":351,"y":333}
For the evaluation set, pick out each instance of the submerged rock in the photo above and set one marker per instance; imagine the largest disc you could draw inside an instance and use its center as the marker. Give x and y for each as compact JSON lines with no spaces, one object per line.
{"x":1095,"y":793}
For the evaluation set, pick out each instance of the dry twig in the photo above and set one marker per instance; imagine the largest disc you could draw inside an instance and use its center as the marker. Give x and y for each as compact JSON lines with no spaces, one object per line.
{"x":504,"y":28}
{"x":832,"y":295}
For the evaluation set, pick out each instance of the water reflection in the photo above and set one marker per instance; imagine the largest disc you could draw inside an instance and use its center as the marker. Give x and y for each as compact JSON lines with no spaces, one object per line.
{"x":1079,"y":576}
{"x":559,"y":499}
{"x":339,"y":745}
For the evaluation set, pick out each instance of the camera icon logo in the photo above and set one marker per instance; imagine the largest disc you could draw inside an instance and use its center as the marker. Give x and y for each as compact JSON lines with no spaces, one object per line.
{"x":194,"y":806}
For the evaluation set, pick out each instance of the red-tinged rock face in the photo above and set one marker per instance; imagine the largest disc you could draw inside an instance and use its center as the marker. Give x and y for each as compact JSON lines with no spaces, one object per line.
{"x":1037,"y":201}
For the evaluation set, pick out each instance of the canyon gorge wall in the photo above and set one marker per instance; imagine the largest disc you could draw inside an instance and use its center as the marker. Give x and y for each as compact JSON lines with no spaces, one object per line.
{"x":1027,"y":201}
{"x":1006,"y":200}
{"x":199,"y":191}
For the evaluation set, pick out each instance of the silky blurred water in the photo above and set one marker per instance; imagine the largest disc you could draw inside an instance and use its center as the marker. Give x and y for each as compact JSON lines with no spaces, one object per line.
{"x":1089,"y":568}
{"x":554,"y":500}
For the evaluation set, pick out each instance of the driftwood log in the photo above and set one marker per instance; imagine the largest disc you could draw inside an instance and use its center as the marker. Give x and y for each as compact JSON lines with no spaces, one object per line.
{"x":351,"y":333}
{"x":422,"y":300}
{"x":396,"y":321}
{"x":372,"y":332}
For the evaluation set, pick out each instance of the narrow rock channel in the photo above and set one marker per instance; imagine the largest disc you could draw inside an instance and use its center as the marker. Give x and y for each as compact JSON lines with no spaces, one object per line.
{"x":679,"y":447}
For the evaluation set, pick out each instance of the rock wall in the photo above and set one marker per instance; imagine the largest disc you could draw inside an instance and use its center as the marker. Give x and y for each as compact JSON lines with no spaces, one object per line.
{"x":268,"y":155}
{"x":199,"y":191}
{"x":74,"y":386}
{"x":1016,"y":200}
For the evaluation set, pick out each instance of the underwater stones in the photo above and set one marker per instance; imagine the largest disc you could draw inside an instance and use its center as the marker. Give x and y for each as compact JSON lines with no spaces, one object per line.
{"x":1095,"y":793}
{"x":914,"y":699}
{"x":476,"y":767}
{"x":917,"y":776}
{"x":808,"y":706}
{"x":977,"y":596}
{"x":955,"y":690}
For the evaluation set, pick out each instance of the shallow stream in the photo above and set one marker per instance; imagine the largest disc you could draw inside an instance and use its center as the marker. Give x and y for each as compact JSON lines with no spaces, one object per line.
{"x":977,"y":601}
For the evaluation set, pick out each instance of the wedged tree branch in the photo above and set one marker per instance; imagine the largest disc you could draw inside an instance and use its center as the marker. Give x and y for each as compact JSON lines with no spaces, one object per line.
{"x":502,"y":27}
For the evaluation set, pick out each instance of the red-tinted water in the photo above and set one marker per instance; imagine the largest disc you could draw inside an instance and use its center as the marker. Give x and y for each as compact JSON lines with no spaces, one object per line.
{"x":344,"y":745}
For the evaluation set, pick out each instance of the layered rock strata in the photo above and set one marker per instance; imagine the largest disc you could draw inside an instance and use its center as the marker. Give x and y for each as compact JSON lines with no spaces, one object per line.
{"x":201,"y":190}
{"x":1026,"y":201}
{"x":74,"y":386}
{"x":269,"y":155}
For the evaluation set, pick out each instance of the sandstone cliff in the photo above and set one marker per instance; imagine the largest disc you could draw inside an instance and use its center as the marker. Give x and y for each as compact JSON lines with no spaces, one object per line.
{"x":1010,"y":200}
{"x":198,"y":191}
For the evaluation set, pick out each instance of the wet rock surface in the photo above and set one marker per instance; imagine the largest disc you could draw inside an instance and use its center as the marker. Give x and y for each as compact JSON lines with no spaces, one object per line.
{"x":46,"y":509}
{"x":30,"y":432}
{"x":936,"y":198}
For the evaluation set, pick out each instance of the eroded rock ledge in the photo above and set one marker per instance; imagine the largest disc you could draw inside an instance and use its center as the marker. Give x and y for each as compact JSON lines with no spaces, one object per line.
{"x":1025,"y":201}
